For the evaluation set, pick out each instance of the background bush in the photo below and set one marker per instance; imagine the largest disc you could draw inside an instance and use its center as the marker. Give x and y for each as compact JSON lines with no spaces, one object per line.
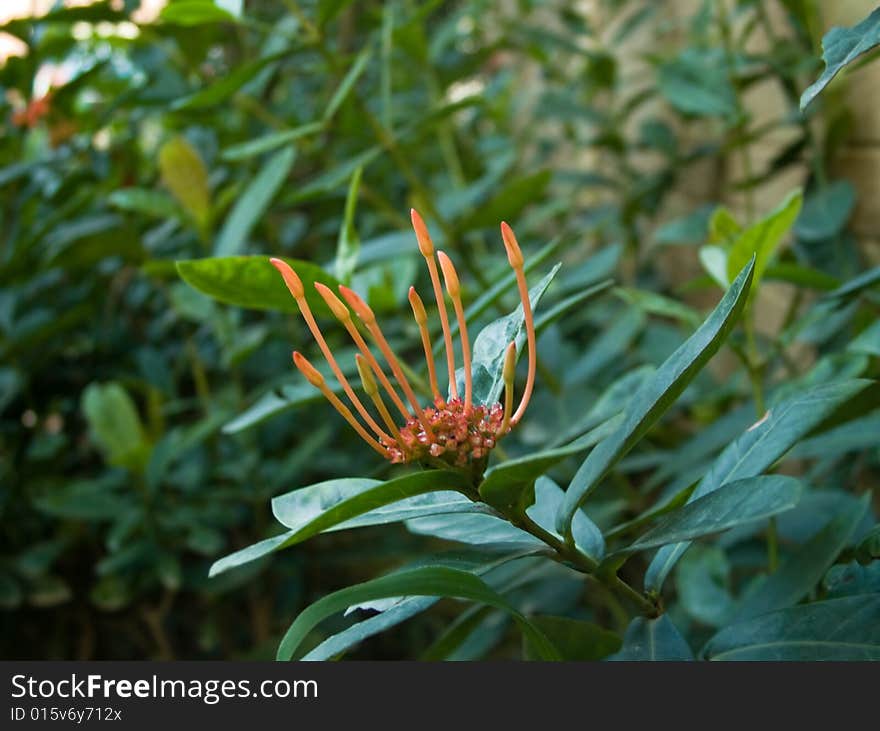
{"x":145,"y":426}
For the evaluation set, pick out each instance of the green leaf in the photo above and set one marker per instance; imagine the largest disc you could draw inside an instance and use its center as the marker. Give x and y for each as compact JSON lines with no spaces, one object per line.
{"x":826,"y":211}
{"x":252,"y":282}
{"x":586,"y":534}
{"x":761,"y":445}
{"x":702,"y":582}
{"x":736,"y":503}
{"x":353,"y":503}
{"x":252,"y":204}
{"x":487,"y":356}
{"x":763,"y":238}
{"x":487,"y":531}
{"x":185,"y":175}
{"x":697,"y":82}
{"x":509,"y":201}
{"x":654,"y":640}
{"x":144,"y":201}
{"x":868,"y":341}
{"x":348,"y":245}
{"x":195,"y":12}
{"x":347,"y":84}
{"x":758,"y":448}
{"x":115,"y":425}
{"x":504,"y":484}
{"x":803,"y":570}
{"x":657,"y":394}
{"x":838,"y":629}
{"x":225,"y":87}
{"x":270,"y":142}
{"x":856,"y":285}
{"x":840,"y":47}
{"x":426,"y":581}
{"x":577,"y":639}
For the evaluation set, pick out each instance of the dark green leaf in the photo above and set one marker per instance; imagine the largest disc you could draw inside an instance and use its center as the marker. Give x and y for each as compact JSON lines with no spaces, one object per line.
{"x":656,"y":396}
{"x":840,"y":47}
{"x":653,"y":640}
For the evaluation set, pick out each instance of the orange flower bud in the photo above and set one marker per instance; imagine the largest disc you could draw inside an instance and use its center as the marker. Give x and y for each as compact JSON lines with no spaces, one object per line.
{"x":508,"y":372}
{"x":426,"y":246}
{"x":450,"y":276}
{"x":308,"y":370}
{"x":369,"y":383}
{"x":357,"y":304}
{"x":418,"y":307}
{"x":293,"y":282}
{"x":514,"y":254}
{"x":339,"y":310}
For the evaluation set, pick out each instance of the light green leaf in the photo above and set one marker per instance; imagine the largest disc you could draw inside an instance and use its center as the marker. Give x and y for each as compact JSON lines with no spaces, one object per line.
{"x":758,"y":448}
{"x":252,"y":282}
{"x":195,"y":12}
{"x":115,"y":425}
{"x":838,"y":629}
{"x":656,"y":396}
{"x":763,"y":238}
{"x":655,"y":640}
{"x":252,"y":204}
{"x":840,"y":47}
{"x":185,"y":175}
{"x":803,"y":570}
{"x":426,"y":581}
{"x":487,"y":531}
{"x":270,"y":142}
{"x":347,"y":84}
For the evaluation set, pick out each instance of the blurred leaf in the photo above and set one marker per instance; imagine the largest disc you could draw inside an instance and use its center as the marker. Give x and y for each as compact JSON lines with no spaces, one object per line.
{"x":803,"y":570}
{"x":185,"y":175}
{"x":702,"y":584}
{"x":347,"y":84}
{"x":840,"y":47}
{"x":696,"y":82}
{"x":826,"y":211}
{"x":509,"y":201}
{"x":348,"y":246}
{"x":426,"y":581}
{"x":252,"y":204}
{"x":144,"y":201}
{"x":653,"y":640}
{"x":252,"y":282}
{"x":656,"y":396}
{"x":270,"y":142}
{"x":856,"y":285}
{"x":577,"y":640}
{"x":838,"y":629}
{"x":115,"y":425}
{"x":689,"y":229}
{"x":195,"y":12}
{"x":227,"y":85}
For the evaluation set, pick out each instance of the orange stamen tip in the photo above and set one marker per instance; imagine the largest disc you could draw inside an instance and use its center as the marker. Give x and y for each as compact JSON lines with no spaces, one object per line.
{"x":357,"y":304}
{"x":426,"y":246}
{"x":308,"y":370}
{"x":509,"y":370}
{"x":450,"y":276}
{"x":418,"y":307}
{"x":291,"y":279}
{"x":339,"y":310}
{"x":514,"y":254}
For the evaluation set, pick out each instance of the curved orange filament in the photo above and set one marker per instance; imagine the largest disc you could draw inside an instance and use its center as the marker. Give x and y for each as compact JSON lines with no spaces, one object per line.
{"x":372,"y":391}
{"x":421,"y":318}
{"x":509,"y":373}
{"x":363,"y":311}
{"x":515,"y":257}
{"x":344,"y":316}
{"x":426,"y":246}
{"x":294,"y":285}
{"x":317,"y":380}
{"x":450,"y":276}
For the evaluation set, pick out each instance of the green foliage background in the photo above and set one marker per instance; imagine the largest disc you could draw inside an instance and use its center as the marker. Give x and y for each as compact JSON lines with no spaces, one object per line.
{"x":146,"y":426}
